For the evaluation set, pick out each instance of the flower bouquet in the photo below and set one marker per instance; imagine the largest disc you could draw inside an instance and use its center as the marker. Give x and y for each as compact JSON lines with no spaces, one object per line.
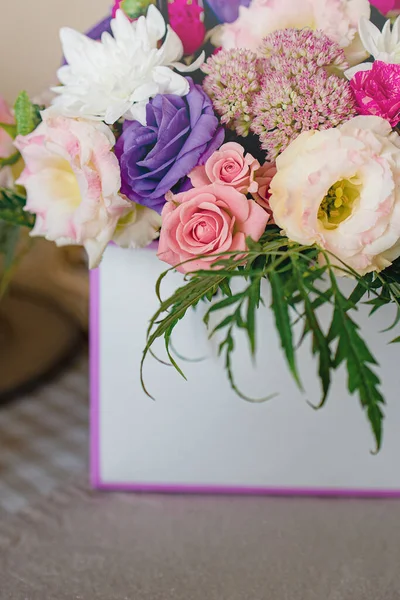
{"x":257,"y":142}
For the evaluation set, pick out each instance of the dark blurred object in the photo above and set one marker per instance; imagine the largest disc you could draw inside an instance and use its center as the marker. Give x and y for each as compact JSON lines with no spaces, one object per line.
{"x":44,"y":315}
{"x":59,"y":274}
{"x":377,"y":18}
{"x":37,"y":339}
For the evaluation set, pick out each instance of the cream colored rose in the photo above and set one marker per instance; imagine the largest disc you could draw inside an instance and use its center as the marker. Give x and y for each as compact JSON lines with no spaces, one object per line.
{"x":340,"y":189}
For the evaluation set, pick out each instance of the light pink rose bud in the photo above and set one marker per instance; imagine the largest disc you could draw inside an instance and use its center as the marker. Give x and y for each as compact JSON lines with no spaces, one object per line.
{"x":229,"y":166}
{"x":263,"y":178}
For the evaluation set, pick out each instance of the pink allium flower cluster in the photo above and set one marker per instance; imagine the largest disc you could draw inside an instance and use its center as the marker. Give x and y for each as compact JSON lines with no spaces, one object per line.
{"x":291,"y":85}
{"x":233,"y":79}
{"x":302,"y":50}
{"x":289,"y":105}
{"x":300,"y":91}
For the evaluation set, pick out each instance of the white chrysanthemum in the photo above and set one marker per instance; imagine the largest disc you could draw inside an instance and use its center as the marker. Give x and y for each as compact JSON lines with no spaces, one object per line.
{"x":383,"y":45}
{"x":117,"y":76}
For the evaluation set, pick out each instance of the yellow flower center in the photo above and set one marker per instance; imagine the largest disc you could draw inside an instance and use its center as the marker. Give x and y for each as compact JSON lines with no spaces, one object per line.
{"x":338,"y":203}
{"x":129,"y":218}
{"x":64,"y":184}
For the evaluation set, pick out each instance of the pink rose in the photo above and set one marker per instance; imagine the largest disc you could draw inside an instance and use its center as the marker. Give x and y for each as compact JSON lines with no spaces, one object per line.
{"x":228,"y":166}
{"x":377,"y":91}
{"x":206,"y":221}
{"x":72,"y":180}
{"x":6,"y":143}
{"x":263,"y":178}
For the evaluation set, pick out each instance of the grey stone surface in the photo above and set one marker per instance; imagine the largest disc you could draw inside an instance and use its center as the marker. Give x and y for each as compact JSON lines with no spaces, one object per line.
{"x":92,"y":546}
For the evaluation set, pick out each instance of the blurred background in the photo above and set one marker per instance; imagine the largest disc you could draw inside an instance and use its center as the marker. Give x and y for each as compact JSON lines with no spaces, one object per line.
{"x":29,"y":40}
{"x":44,"y":314}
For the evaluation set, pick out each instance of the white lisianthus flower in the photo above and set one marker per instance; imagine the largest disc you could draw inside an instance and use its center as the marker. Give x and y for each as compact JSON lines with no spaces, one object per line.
{"x":72,"y":180}
{"x":338,"y":19}
{"x":339,"y":189}
{"x":382,"y":45}
{"x":117,"y":76}
{"x":138,"y":227}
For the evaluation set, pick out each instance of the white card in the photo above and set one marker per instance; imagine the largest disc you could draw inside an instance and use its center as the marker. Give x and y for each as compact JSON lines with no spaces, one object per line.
{"x":198,"y":435}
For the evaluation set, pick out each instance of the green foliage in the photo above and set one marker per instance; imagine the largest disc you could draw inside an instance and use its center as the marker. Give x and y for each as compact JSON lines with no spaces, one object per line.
{"x":12,"y":205}
{"x":300,"y":285}
{"x":136,"y":8}
{"x":352,"y":350}
{"x":10,"y":160}
{"x":9,"y":236}
{"x":27,"y":114}
{"x":178,"y":305}
{"x":27,"y":117}
{"x":10,"y":129}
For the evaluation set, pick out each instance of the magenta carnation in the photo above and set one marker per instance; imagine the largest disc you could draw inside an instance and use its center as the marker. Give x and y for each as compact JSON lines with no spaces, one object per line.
{"x":187,"y":20}
{"x":385,"y":6}
{"x":233,"y":79}
{"x":377,"y":91}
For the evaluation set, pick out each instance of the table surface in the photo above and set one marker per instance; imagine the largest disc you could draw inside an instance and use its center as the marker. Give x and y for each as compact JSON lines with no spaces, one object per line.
{"x":44,"y":439}
{"x":61,"y":541}
{"x":91,"y":546}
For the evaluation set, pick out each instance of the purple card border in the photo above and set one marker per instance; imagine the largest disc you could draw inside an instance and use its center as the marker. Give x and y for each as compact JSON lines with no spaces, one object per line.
{"x":95,"y":460}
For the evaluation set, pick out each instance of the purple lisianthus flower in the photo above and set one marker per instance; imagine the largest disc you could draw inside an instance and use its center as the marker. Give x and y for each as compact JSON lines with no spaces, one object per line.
{"x":97,"y":31}
{"x":181,"y":134}
{"x":227,"y":11}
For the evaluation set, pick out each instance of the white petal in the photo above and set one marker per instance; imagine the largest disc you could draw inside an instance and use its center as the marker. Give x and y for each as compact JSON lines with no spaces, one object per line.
{"x":170,"y":82}
{"x":95,"y":250}
{"x":172,"y":49}
{"x":370,"y":36}
{"x":137,"y":113}
{"x":396,"y":32}
{"x":155,"y":23}
{"x":115,"y":111}
{"x":146,"y":91}
{"x":193,"y":67}
{"x":355,"y":52}
{"x":121,"y":28}
{"x":363,"y":67}
{"x":142,"y":229}
{"x":75,"y":46}
{"x":386,"y":36}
